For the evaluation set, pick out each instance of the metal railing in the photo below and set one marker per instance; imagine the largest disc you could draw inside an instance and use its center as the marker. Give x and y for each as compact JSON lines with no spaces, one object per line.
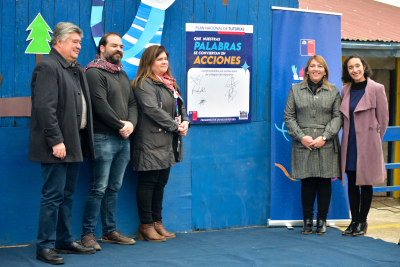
{"x":392,"y":134}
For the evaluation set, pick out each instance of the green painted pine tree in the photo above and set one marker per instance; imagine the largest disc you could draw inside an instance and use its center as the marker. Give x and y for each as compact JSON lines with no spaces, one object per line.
{"x":39,"y":35}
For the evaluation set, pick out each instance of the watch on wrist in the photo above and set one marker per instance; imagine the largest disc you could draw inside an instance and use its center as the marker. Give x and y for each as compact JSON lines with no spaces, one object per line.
{"x":324,"y":138}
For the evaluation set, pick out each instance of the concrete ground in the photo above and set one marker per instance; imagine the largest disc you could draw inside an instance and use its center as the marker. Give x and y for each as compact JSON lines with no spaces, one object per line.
{"x":384,"y":221}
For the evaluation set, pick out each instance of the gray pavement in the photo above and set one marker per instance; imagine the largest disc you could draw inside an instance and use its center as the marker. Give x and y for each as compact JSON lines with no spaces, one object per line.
{"x":384,"y":219}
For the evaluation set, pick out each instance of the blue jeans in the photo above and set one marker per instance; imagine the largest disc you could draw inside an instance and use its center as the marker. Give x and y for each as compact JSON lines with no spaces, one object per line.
{"x":107,"y":172}
{"x":55,"y":216}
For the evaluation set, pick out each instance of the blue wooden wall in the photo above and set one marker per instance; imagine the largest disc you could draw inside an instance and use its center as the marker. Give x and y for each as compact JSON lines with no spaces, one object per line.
{"x":224,"y":180}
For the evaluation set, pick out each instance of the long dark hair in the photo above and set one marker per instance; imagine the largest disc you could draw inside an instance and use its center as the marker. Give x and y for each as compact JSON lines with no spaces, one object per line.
{"x":346,"y":78}
{"x":147,"y":60}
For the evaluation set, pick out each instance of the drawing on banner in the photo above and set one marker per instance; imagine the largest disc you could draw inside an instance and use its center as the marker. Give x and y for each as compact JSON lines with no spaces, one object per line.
{"x":146,"y":30}
{"x":39,"y":36}
{"x":307,"y":47}
{"x":282,"y":130}
{"x":218,"y":72}
{"x":296,"y":76}
{"x":233,"y":90}
{"x":285,"y":172}
{"x":231,"y":84}
{"x":291,"y":178}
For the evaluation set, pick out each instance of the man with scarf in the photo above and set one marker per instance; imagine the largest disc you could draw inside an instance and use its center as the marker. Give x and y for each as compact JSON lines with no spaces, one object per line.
{"x":114,"y":118}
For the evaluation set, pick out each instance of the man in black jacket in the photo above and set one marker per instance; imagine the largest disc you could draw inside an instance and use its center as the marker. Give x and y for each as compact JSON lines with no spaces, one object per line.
{"x":114,"y":118}
{"x":61,"y":117}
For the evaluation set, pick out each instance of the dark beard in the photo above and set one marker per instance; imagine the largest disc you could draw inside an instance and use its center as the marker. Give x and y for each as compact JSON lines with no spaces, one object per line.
{"x":111,"y":59}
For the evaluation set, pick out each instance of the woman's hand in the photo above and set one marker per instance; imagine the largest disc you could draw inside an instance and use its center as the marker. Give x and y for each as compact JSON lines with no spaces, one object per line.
{"x":318,"y":142}
{"x":307,"y":141}
{"x":183,"y":128}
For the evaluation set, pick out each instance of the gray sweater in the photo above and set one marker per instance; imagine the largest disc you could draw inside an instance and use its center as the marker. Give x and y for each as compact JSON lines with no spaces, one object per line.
{"x":112,"y":100}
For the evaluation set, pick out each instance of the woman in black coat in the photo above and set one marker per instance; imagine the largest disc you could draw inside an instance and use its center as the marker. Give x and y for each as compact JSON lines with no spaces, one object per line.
{"x":156,"y":143}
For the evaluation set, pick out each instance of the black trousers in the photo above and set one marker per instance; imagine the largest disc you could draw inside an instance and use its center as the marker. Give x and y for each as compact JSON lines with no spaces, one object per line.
{"x":320,"y":187}
{"x":359,"y":203}
{"x":150,"y":193}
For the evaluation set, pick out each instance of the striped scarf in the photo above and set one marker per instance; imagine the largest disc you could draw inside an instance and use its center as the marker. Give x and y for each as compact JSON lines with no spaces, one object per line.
{"x":169,"y":82}
{"x":101,"y":63}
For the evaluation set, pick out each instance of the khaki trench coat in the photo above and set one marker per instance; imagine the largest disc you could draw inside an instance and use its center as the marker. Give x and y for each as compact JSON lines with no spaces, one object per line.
{"x":371,"y":118}
{"x":319,"y":115}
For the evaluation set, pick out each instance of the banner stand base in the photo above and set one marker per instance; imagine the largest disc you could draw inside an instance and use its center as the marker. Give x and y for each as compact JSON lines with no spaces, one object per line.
{"x":291,"y":223}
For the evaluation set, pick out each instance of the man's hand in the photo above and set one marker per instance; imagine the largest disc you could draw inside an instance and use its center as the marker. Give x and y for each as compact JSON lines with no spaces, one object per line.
{"x":59,"y":151}
{"x":126,"y":131}
{"x":307,"y":141}
{"x":183,"y":128}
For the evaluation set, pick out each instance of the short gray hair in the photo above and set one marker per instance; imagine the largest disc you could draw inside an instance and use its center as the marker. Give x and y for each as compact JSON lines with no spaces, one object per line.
{"x":62,"y":31}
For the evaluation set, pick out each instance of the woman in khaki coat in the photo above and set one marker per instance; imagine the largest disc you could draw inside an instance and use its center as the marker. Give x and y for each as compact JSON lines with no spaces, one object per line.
{"x":313,"y":120}
{"x":366,"y":117}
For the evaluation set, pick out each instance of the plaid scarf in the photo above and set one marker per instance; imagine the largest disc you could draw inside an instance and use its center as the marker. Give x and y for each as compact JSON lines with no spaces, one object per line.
{"x":101,"y":63}
{"x":169,"y":82}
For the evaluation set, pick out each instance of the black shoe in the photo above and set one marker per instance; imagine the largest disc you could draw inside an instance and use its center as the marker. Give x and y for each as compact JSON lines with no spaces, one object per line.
{"x":49,"y":255}
{"x":321,"y":227}
{"x":350,"y":229}
{"x":75,"y":248}
{"x":361,"y":229}
{"x":308,"y":226}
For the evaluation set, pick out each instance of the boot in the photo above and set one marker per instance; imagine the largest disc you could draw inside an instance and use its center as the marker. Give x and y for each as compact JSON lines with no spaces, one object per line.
{"x":321,"y":227}
{"x":361,"y":229}
{"x":350,"y":229}
{"x":161,"y":230}
{"x":308,"y":226}
{"x":147,"y":231}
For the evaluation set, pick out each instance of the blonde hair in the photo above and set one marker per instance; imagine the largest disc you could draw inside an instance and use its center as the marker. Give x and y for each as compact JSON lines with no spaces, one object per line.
{"x":147,"y":60}
{"x":321,"y":61}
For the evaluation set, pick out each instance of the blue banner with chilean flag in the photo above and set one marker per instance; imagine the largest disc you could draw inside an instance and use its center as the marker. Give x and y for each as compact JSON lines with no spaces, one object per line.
{"x":297,"y":35}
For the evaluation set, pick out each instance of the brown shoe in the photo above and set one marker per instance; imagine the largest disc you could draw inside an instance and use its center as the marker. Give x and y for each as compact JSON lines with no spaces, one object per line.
{"x":89,"y":242}
{"x":117,"y":238}
{"x":161,"y":230}
{"x":147,"y":231}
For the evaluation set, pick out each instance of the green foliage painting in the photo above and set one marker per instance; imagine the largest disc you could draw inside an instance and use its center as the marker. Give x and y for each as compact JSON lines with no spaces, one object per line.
{"x":39,"y":35}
